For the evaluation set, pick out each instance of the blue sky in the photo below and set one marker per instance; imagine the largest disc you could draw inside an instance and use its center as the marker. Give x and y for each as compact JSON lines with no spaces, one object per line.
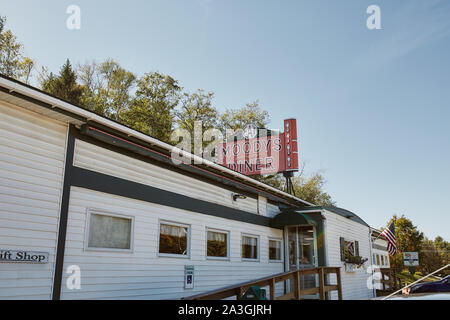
{"x":372,"y":105}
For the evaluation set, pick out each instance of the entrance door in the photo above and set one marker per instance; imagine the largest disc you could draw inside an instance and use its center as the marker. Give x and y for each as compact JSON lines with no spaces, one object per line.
{"x":301,"y":248}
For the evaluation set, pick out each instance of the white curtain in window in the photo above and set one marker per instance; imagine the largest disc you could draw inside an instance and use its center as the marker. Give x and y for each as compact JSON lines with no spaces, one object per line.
{"x":109,"y":232}
{"x":174,"y":231}
{"x":249,"y":241}
{"x":217,"y":236}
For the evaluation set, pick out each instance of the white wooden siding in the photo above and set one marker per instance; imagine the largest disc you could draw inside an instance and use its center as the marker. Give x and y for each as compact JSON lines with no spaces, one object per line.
{"x":385,"y":253}
{"x":262,"y":205}
{"x":142,"y":274}
{"x":354,"y":284}
{"x":32,"y":153}
{"x":99,"y":159}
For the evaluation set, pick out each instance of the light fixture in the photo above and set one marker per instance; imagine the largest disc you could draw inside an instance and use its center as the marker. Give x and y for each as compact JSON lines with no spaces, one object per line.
{"x":238,"y":196}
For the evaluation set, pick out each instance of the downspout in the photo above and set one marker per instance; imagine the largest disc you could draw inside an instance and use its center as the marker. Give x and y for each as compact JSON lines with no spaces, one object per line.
{"x":374,"y":293}
{"x":325,"y":244}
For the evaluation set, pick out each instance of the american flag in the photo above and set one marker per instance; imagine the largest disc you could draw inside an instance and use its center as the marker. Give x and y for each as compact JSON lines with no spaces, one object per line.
{"x":351,"y":248}
{"x":389,"y":234}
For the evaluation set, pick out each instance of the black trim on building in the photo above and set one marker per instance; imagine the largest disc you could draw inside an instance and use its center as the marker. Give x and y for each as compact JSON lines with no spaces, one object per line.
{"x":62,"y":231}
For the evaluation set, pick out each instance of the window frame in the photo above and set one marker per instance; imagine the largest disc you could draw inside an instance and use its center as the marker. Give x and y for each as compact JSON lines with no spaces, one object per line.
{"x":228,"y":233}
{"x":281,"y":249}
{"x":101,"y":212}
{"x":188,"y":240}
{"x":258,"y":247}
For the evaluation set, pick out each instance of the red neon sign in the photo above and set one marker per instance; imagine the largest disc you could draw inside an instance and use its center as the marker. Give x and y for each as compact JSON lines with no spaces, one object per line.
{"x":262,"y":155}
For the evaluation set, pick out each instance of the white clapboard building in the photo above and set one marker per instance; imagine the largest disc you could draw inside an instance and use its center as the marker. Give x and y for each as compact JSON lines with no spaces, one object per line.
{"x":91,"y":209}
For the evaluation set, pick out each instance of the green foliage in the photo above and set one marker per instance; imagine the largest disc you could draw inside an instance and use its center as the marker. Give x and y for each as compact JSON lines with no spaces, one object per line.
{"x":274,"y":180}
{"x":12,"y":61}
{"x":236,"y":119}
{"x":106,"y":88}
{"x":355,"y":259}
{"x":197,"y":107}
{"x":311,"y":189}
{"x":430,"y":259}
{"x":2,"y":23}
{"x":152,"y":109}
{"x":408,"y":239}
{"x":432,"y":254}
{"x":63,"y":86}
{"x":443,"y":248}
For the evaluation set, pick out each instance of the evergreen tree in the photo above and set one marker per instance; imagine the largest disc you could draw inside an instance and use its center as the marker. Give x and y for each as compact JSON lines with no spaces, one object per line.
{"x":63,"y":86}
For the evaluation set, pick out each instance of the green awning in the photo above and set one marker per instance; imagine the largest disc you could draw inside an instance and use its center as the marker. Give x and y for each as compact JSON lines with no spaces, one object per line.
{"x":292,"y":218}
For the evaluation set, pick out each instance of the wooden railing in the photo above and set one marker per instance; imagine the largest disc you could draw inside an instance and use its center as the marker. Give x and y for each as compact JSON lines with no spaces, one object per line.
{"x":295,"y":293}
{"x":389,"y":282}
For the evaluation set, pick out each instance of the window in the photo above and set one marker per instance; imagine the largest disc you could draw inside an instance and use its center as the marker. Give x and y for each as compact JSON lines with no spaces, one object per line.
{"x":174,"y":239}
{"x":217,"y":243}
{"x":275,"y":246}
{"x":250,"y":247}
{"x":349,"y":249}
{"x":378,"y":259}
{"x":109,"y":231}
{"x":382,"y":260}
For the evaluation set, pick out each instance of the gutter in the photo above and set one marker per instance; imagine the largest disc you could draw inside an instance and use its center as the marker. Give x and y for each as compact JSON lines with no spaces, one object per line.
{"x":34,"y":93}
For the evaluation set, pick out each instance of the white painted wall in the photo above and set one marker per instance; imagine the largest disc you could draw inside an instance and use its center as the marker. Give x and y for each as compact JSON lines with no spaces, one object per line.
{"x":354,"y":284}
{"x":102,"y":160}
{"x":32,"y":153}
{"x":143,"y":274}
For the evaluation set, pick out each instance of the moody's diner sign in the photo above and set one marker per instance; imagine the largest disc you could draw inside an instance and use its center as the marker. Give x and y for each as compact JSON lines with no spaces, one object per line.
{"x":23,"y":256}
{"x":256,"y":151}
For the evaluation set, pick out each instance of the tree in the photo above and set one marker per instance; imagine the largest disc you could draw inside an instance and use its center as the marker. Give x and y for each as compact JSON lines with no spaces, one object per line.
{"x":443,"y":249}
{"x":197,"y":107}
{"x":2,"y":23}
{"x":311,"y":189}
{"x":91,"y":83}
{"x":430,"y":259}
{"x":106,"y":88}
{"x":152,"y":109}
{"x":274,"y":180}
{"x":63,"y":86}
{"x":408,"y":239}
{"x":12,"y":61}
{"x":236,"y":119}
